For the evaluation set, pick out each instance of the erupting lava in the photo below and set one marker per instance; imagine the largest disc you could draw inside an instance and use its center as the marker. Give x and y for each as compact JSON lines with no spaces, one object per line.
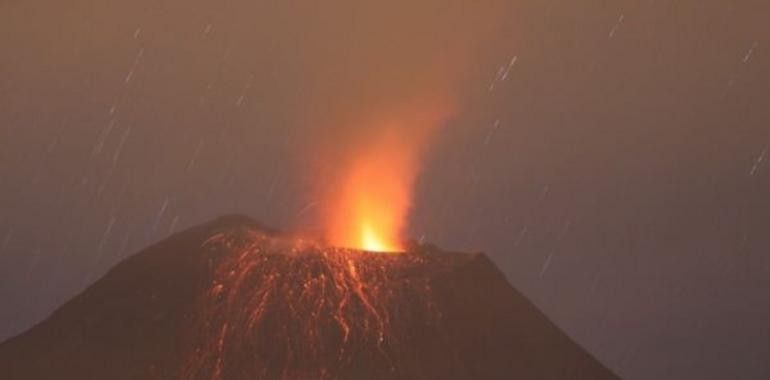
{"x":371,"y":241}
{"x":368,"y":208}
{"x":374,"y":203}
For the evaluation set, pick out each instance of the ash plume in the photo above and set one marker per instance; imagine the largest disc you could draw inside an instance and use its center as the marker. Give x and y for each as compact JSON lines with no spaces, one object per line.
{"x":384,"y":78}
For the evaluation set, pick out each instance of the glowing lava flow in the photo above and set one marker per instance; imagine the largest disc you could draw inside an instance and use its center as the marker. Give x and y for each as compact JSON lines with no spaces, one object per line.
{"x":290,"y":308}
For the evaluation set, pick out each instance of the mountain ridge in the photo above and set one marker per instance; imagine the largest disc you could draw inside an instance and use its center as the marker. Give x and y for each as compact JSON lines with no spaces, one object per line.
{"x":233,"y":299}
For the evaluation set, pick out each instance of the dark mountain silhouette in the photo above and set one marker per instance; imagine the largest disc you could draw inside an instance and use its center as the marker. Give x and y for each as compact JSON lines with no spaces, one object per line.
{"x":233,"y":300}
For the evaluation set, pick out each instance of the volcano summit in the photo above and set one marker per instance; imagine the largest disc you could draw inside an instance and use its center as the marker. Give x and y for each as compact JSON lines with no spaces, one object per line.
{"x":233,"y":300}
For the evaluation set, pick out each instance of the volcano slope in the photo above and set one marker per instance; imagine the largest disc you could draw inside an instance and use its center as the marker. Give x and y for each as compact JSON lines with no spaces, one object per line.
{"x":233,"y":300}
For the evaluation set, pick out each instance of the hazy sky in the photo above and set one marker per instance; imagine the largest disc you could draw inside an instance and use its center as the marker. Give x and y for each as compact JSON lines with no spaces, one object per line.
{"x":612,"y":157}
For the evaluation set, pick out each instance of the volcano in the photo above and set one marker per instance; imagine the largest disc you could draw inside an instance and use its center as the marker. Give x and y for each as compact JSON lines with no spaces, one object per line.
{"x":231,"y":299}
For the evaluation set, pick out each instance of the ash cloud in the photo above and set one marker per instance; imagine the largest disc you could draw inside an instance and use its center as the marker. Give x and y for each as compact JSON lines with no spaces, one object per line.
{"x":381,"y":78}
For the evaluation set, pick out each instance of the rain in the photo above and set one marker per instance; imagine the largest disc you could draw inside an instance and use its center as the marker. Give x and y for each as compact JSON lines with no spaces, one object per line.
{"x":609,"y":157}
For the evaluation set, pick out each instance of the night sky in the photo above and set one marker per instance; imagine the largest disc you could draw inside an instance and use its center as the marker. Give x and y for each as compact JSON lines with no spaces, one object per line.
{"x":612,"y":157}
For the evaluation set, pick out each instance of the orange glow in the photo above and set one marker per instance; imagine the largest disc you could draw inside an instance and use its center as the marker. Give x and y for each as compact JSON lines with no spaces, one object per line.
{"x":374,"y":199}
{"x":372,"y":241}
{"x":368,"y":205}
